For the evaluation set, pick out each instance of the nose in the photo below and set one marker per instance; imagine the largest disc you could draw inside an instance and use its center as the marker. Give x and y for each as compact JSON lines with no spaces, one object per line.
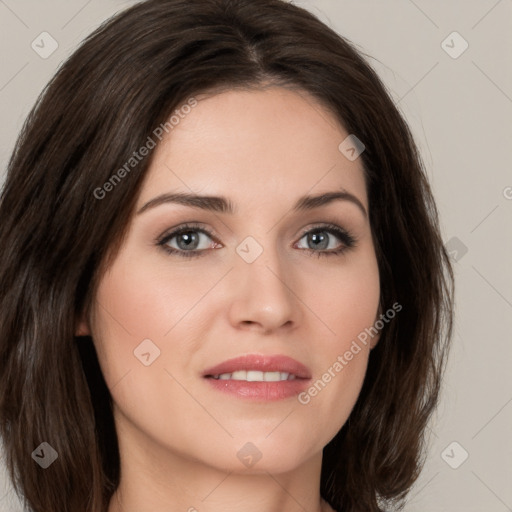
{"x":263,"y":298}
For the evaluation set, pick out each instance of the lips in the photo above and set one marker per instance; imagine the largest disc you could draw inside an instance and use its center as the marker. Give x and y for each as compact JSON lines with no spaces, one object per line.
{"x":260,"y":378}
{"x":252,"y":363}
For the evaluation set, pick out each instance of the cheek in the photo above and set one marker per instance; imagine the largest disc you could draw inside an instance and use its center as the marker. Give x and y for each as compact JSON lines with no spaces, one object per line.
{"x":346,"y":298}
{"x":137,"y":301}
{"x":125,"y":316}
{"x":144,"y":299}
{"x":347,"y":302}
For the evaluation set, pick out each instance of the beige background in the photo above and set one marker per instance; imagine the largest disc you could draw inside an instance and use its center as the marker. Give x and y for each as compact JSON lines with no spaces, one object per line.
{"x":460,"y":110}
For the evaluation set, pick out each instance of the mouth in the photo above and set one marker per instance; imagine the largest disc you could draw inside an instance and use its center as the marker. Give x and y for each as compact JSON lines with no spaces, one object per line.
{"x":259,"y":377}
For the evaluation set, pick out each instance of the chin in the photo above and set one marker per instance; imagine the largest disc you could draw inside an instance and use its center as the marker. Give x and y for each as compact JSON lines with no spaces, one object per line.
{"x":261,"y":453}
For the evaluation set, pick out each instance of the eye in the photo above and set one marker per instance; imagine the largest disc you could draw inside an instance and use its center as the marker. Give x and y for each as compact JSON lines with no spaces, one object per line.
{"x":323,"y":240}
{"x":187,"y":241}
{"x":191,"y":240}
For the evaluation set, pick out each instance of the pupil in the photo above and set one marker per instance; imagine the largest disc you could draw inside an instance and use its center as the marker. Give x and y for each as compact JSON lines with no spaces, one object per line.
{"x":319,"y":239}
{"x":190,"y":239}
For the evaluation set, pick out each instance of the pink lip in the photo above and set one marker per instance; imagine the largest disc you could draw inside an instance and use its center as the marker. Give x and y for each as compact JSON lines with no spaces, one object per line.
{"x":260,"y":391}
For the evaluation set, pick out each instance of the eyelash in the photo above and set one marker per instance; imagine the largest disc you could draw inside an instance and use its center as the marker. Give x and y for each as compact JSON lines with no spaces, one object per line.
{"x":348,"y":239}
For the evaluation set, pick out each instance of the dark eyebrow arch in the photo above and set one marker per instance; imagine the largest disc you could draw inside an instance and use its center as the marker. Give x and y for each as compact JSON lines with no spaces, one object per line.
{"x":221,"y":204}
{"x":310,"y":202}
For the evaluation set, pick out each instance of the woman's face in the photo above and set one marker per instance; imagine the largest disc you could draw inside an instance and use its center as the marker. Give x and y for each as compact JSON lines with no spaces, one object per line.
{"x":262,"y":281}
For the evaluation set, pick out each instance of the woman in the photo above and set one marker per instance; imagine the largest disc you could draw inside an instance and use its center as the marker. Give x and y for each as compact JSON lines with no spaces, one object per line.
{"x":170,"y":337}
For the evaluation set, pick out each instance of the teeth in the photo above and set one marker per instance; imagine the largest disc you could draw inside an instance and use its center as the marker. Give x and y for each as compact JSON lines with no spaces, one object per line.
{"x":255,"y":376}
{"x":272,"y":376}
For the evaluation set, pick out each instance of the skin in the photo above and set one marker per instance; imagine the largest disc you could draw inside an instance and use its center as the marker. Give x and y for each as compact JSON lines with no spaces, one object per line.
{"x":179,"y":437}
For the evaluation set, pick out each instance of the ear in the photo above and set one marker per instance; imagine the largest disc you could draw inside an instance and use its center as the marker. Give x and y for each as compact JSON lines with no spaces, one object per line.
{"x":82,"y":327}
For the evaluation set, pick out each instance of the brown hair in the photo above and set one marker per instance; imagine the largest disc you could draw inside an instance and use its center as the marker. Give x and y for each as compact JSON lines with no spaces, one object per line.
{"x":104,"y":102}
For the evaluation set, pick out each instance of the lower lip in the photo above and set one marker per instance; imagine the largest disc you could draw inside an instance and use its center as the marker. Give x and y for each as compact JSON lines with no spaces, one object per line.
{"x":262,"y":391}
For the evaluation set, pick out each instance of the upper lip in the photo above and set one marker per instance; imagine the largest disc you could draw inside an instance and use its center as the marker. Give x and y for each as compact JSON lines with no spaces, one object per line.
{"x":262,"y":363}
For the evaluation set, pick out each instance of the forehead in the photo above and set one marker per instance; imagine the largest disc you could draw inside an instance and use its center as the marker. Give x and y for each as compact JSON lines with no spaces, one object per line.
{"x":258,"y":147}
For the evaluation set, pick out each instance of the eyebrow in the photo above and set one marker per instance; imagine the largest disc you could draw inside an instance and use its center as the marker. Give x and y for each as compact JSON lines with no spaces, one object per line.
{"x":222,"y":204}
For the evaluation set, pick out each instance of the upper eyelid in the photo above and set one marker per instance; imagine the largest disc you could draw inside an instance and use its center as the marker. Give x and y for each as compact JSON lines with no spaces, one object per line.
{"x":171,"y":233}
